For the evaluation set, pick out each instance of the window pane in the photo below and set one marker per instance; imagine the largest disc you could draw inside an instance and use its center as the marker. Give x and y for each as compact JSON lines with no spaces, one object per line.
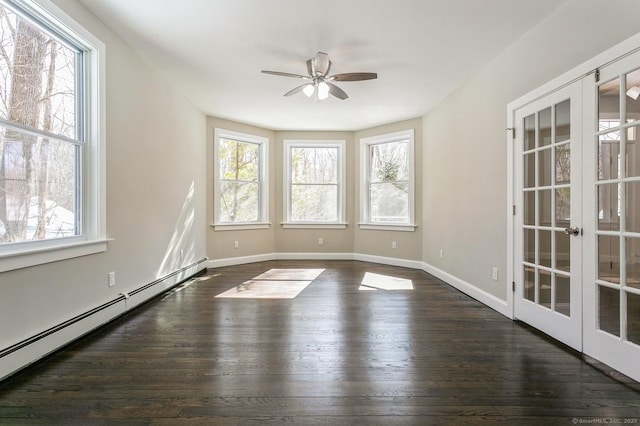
{"x":563,"y":121}
{"x":530,"y":132}
{"x":530,"y":245}
{"x":37,"y":77}
{"x":633,"y":152}
{"x":633,"y":318}
{"x":563,"y":164}
{"x":633,"y":206}
{"x":544,"y":243}
{"x":563,"y":295}
{"x":633,"y":262}
{"x":609,"y":103}
{"x":609,"y":259}
{"x":563,"y":206}
{"x":608,"y":153}
{"x":239,"y":160}
{"x":239,"y":201}
{"x":544,"y":167}
{"x":314,"y":203}
{"x":390,"y":202}
{"x":530,"y":170}
{"x":633,"y":96}
{"x":609,"y":310}
{"x":314,"y":165}
{"x":609,"y":207}
{"x":389,"y":162}
{"x":544,"y":131}
{"x":529,"y":283}
{"x":37,"y":188}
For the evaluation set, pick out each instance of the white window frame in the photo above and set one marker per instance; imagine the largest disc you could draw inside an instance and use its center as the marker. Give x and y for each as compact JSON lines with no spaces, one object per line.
{"x":340,"y":223}
{"x":263,"y":198}
{"x":365,"y":181}
{"x":92,"y":168}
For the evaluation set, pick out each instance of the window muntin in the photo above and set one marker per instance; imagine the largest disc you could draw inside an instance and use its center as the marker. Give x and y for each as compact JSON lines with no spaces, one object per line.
{"x":52,"y":152}
{"x":315,"y":180}
{"x":240,"y":194}
{"x":42,"y":114}
{"x":387,"y":181}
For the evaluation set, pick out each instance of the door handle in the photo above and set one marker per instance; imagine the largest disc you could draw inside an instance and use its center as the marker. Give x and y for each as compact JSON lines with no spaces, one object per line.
{"x":574,"y":230}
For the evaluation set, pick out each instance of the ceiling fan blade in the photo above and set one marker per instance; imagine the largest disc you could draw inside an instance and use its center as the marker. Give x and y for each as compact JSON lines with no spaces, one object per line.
{"x":296,"y":90}
{"x":337,"y":92}
{"x":310,"y":67}
{"x":354,"y":76}
{"x":321,"y":64}
{"x":285,"y":74}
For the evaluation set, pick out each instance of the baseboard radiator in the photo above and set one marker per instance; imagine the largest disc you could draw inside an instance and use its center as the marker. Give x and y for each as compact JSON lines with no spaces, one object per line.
{"x":34,"y":348}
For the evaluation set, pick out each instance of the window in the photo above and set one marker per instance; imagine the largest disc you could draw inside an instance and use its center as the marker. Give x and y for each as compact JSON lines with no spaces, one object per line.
{"x":387,"y":183}
{"x":314,"y":184}
{"x":241,"y":195}
{"x":51,"y":175}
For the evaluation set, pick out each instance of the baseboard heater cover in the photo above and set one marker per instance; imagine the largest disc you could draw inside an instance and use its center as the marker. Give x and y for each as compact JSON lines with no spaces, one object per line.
{"x":33,"y":339}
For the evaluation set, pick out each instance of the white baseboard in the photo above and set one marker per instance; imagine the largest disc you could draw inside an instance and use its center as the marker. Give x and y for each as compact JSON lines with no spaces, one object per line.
{"x":231,"y":261}
{"x":495,"y":303}
{"x":24,"y":353}
{"x":393,"y":261}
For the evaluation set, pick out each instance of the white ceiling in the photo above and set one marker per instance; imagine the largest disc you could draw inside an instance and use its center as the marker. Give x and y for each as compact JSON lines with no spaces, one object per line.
{"x":213,"y":51}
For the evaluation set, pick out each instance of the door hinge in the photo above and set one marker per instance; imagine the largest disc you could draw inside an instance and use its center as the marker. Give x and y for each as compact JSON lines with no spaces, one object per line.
{"x":513,"y":132}
{"x":513,"y":286}
{"x":514,"y":209}
{"x":597,"y":74}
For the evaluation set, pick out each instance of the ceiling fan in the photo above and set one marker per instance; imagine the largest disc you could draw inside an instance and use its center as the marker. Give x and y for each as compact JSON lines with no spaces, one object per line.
{"x":319,"y":83}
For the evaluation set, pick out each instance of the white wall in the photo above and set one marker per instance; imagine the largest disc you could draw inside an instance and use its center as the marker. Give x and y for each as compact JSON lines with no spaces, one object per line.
{"x":155,"y":201}
{"x":465,"y":152}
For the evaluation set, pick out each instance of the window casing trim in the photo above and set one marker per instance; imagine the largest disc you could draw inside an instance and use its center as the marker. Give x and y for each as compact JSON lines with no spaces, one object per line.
{"x":340,"y":223}
{"x":365,"y":181}
{"x":263,"y":183}
{"x":91,"y":135}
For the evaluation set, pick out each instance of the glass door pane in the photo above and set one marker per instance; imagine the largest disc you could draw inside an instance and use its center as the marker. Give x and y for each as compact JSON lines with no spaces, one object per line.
{"x":618,"y":190}
{"x":547,"y":207}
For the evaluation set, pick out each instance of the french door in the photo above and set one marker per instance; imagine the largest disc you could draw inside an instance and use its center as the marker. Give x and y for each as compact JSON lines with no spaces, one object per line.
{"x":612,"y":291}
{"x":577,"y":220}
{"x":548,"y":222}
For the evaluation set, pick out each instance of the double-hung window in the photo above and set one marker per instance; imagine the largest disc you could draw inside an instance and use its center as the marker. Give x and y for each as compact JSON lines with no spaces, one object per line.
{"x":51,"y":160}
{"x":240,"y":179}
{"x":314,"y":184}
{"x":387,"y":181}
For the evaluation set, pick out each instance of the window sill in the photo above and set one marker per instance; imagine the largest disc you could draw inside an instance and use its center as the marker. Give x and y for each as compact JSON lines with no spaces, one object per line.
{"x":30,"y":256}
{"x":315,"y":225}
{"x":240,"y":226}
{"x":388,"y":227}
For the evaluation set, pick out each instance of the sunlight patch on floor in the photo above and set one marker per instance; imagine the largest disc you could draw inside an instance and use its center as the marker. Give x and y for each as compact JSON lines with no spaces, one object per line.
{"x":374,"y":282}
{"x":290,"y":274}
{"x":274,"y":284}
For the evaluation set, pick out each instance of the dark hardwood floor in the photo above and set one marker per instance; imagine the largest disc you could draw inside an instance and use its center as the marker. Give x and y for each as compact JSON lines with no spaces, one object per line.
{"x":333,"y":355}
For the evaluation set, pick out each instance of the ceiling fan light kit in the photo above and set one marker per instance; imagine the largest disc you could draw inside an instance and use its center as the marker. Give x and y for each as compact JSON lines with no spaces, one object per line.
{"x":319,"y":85}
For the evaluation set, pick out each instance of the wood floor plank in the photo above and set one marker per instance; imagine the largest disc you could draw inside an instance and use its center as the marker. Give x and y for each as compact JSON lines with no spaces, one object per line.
{"x":335,"y":355}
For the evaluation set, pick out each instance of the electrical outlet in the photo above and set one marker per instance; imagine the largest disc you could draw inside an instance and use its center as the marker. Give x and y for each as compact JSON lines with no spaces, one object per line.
{"x":111,"y":279}
{"x":394,"y":245}
{"x":236,"y":244}
{"x":494,"y":273}
{"x":320,"y":241}
{"x":441,"y":253}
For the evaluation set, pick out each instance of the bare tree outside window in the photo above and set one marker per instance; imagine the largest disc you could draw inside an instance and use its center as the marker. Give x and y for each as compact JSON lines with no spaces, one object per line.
{"x":389,"y":182}
{"x":239,"y":180}
{"x":39,"y":147}
{"x":314,"y":184}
